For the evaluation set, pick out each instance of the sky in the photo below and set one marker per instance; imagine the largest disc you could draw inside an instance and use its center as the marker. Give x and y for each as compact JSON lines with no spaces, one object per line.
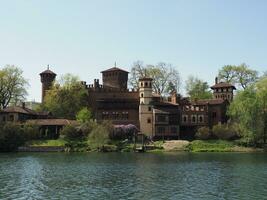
{"x":84,"y":37}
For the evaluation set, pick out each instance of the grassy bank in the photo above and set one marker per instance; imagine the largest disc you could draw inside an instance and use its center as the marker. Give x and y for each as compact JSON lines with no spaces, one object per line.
{"x":159,"y":146}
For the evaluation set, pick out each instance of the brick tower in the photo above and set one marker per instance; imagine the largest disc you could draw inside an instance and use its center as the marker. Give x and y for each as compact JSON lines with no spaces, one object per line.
{"x":47,"y":78}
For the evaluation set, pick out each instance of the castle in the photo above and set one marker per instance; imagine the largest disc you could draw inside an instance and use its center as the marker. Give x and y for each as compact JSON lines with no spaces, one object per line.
{"x":175,"y":118}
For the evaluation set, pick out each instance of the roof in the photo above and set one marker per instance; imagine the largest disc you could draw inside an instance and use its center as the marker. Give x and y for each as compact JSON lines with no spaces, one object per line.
{"x":145,"y":79}
{"x":52,"y":122}
{"x":23,"y":110}
{"x":223,"y":85}
{"x":18,"y":109}
{"x":113,"y":69}
{"x":209,"y":101}
{"x":48,"y":71}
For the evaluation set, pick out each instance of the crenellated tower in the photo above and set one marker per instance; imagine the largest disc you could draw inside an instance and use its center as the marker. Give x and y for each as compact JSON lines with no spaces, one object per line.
{"x":47,"y":79}
{"x":223,"y":90}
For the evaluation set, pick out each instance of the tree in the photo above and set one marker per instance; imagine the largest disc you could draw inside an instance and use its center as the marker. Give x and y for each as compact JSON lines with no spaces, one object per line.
{"x":84,"y":115}
{"x":197,"y":89}
{"x":165,"y":77}
{"x":247,"y":111}
{"x":12,"y":86}
{"x":65,"y":100}
{"x":241,"y":75}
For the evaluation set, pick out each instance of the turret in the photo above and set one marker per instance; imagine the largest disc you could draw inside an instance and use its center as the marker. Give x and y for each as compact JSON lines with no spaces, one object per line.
{"x":47,"y":79}
{"x":223,"y":90}
{"x":145,"y":106}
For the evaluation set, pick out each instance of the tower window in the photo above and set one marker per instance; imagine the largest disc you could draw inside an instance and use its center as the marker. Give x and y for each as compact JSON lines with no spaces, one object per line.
{"x":149,"y":108}
{"x":142,"y":94}
{"x":146,"y":84}
{"x":149,"y":121}
{"x":142,"y":84}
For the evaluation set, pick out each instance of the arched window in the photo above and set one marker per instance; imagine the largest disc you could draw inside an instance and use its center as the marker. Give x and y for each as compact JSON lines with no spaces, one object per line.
{"x":142,"y":84}
{"x":146,"y":84}
{"x":142,"y":95}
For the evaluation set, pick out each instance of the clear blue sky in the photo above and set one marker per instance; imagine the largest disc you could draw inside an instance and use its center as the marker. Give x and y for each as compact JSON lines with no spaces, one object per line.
{"x":84,"y":37}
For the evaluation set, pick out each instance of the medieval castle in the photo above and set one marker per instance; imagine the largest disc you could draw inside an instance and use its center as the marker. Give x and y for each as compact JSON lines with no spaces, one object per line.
{"x":176,"y":118}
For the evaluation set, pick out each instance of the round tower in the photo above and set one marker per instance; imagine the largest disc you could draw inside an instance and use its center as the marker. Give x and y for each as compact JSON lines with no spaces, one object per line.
{"x":145,"y":106}
{"x":47,"y":79}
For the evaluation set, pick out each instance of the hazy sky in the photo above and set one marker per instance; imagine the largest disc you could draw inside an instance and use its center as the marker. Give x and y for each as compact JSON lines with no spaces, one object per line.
{"x":84,"y":37}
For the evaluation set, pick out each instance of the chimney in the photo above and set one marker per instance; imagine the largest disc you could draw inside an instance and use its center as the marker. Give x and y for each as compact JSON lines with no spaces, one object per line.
{"x":216,"y":80}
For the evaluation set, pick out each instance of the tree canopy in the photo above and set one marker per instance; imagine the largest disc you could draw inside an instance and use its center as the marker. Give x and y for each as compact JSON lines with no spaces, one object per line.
{"x":241,"y":75}
{"x":165,"y":77}
{"x":197,"y":89}
{"x":66,"y":97}
{"x":249,"y":110}
{"x":12,"y":86}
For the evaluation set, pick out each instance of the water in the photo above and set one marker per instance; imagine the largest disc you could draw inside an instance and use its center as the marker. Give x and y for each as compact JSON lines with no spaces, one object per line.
{"x":133,"y":176}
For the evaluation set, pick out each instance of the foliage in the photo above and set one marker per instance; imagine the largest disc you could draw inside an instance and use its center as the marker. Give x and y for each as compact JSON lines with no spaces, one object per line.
{"x":99,"y":137}
{"x":11,"y":137}
{"x":71,"y":132}
{"x":249,"y":111}
{"x":225,"y":131}
{"x":197,"y":89}
{"x":241,"y":75}
{"x":31,"y":131}
{"x":65,"y":100}
{"x":12,"y":86}
{"x":203,"y":133}
{"x":165,"y":77}
{"x":84,"y":115}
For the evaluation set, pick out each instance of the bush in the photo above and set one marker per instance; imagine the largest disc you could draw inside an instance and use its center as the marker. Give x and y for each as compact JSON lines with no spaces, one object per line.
{"x":71,"y":132}
{"x":11,"y":137}
{"x":31,"y":131}
{"x":99,"y":137}
{"x":225,"y":131}
{"x":87,"y":127}
{"x":203,"y":133}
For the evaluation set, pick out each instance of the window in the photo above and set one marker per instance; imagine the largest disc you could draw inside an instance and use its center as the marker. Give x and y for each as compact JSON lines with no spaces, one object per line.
{"x":201,"y":119}
{"x":149,"y":108}
{"x":105,"y":115}
{"x":193,"y":119}
{"x":214,"y":115}
{"x":142,"y":84}
{"x":148,"y":120}
{"x":125,"y":115}
{"x":142,"y":94}
{"x":173,"y":130}
{"x":146,"y":84}
{"x":184,"y":117}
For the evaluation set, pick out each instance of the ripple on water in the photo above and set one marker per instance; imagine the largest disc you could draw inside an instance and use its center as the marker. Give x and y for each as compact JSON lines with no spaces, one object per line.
{"x":133,"y":176}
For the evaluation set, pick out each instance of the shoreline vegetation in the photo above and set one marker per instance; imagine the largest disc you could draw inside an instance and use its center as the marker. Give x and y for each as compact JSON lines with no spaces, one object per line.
{"x":124,"y":146}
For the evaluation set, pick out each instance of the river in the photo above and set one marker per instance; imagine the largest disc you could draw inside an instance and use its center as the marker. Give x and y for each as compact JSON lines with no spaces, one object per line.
{"x":133,"y":176}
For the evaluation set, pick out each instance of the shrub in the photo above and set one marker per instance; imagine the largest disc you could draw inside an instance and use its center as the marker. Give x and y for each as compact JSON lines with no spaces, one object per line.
{"x":203,"y":133}
{"x":11,"y":137}
{"x":84,"y":115}
{"x":87,"y":127}
{"x":71,"y":132}
{"x":225,"y":131}
{"x":99,"y":137}
{"x":31,"y":131}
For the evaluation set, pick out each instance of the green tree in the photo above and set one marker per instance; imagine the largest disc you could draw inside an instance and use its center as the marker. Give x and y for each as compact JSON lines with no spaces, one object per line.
{"x":165,"y":76}
{"x":12,"y":86}
{"x":84,"y":115}
{"x":197,"y":89}
{"x":99,"y":137}
{"x":246,"y":110}
{"x":65,"y":100}
{"x":241,"y":75}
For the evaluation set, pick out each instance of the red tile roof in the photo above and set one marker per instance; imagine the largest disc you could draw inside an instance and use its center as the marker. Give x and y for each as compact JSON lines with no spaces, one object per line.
{"x":222,"y":85}
{"x":24,"y":110}
{"x":113,"y":69}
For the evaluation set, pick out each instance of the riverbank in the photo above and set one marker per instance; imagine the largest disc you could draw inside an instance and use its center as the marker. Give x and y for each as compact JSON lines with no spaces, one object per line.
{"x":124,"y":146}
